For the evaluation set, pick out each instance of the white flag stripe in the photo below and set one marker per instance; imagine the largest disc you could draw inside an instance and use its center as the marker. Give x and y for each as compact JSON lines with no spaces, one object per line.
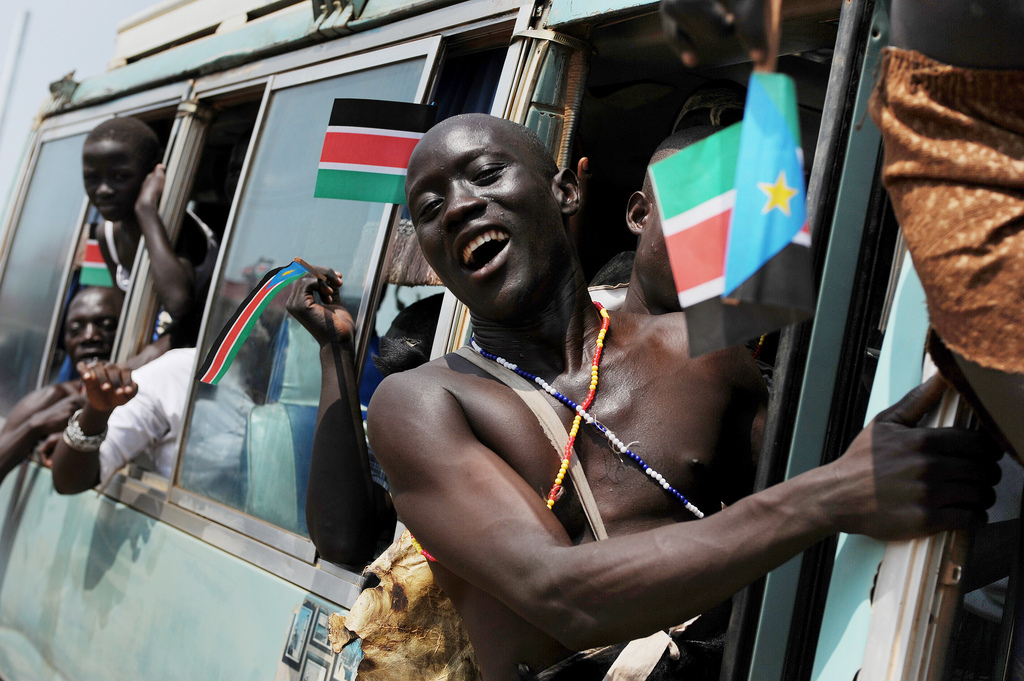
{"x":375,"y":131}
{"x":702,"y":292}
{"x":360,"y":168}
{"x":698,"y":214}
{"x":802,"y":238}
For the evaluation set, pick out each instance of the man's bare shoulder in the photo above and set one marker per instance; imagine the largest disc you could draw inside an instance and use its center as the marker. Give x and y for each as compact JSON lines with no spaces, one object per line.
{"x":426,"y":396}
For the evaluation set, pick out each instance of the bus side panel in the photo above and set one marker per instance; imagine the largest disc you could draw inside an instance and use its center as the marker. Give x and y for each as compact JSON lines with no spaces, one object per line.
{"x":92,"y":589}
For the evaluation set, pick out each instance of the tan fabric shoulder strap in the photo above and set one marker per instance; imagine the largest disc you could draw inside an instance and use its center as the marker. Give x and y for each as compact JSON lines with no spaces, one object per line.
{"x":532,"y":395}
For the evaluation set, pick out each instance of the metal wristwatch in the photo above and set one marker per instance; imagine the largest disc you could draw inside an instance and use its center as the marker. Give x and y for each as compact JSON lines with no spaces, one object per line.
{"x":76,"y":439}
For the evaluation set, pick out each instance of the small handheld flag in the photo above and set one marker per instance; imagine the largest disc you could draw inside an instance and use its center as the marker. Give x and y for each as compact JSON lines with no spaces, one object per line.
{"x":753,"y":275}
{"x":94,"y":270}
{"x":771,"y":201}
{"x":694,"y":191}
{"x":241,"y":324}
{"x":367,"y":148}
{"x":768,"y":266}
{"x":695,"y":196}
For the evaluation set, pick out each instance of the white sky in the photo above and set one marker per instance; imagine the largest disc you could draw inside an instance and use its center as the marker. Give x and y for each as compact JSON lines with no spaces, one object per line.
{"x":61,"y":36}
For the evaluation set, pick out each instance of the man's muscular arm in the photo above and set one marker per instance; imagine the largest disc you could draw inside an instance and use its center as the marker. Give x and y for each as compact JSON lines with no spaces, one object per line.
{"x":344,"y":508}
{"x":36,"y":416}
{"x":107,"y":387}
{"x":484,"y":522}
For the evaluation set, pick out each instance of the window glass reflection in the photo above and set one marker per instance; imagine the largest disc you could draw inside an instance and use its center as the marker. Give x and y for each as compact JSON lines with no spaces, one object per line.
{"x":33,"y":275}
{"x":250,"y":437}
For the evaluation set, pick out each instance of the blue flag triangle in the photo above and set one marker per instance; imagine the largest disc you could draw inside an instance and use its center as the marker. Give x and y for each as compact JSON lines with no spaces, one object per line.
{"x":771,"y":201}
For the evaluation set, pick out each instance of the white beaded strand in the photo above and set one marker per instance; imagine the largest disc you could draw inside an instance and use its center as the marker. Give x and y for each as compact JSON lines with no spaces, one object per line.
{"x":619,"y":446}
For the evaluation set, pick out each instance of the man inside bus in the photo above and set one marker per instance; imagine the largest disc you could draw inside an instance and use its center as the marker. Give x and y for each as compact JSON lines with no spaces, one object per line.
{"x":127,"y":413}
{"x":39,"y":417}
{"x":470,"y":467}
{"x":948,"y":105}
{"x":124,"y":180}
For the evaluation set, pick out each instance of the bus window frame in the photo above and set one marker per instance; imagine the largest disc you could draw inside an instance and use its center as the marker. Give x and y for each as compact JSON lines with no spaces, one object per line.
{"x":250,"y":539}
{"x":269,"y":534}
{"x":61,"y":127}
{"x":238,"y":534}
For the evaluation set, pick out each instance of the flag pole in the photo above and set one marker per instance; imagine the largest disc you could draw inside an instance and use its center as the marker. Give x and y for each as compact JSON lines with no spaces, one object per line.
{"x":773,"y":10}
{"x":312,"y":270}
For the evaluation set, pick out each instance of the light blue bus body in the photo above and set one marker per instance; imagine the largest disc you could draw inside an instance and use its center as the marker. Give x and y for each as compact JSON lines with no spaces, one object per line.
{"x":211,"y":575}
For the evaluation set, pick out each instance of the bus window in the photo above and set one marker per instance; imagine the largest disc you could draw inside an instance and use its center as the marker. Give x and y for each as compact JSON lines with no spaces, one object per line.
{"x":260,"y":464}
{"x":34,"y":272}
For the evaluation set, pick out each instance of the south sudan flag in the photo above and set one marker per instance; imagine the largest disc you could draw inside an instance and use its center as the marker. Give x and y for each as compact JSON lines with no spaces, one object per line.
{"x":94,"y":270}
{"x":367,"y":147}
{"x":224,"y":349}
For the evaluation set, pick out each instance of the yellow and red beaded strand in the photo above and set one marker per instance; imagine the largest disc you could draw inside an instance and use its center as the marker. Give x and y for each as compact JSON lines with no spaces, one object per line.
{"x":422,"y":551}
{"x":553,"y":494}
{"x":555,"y":488}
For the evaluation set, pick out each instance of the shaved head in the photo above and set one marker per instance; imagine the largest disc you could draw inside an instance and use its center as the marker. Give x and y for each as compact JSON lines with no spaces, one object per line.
{"x":525,"y":140}
{"x":139,"y":137}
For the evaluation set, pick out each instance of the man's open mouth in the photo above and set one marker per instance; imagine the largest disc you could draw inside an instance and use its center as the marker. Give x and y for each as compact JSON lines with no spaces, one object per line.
{"x":483,"y":249}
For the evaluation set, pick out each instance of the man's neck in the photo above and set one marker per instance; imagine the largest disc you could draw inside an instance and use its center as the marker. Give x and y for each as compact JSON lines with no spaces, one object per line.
{"x":550,"y":342}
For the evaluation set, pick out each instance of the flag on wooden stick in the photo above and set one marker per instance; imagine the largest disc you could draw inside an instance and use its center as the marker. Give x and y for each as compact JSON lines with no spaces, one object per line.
{"x":367,"y":147}
{"x":241,"y":324}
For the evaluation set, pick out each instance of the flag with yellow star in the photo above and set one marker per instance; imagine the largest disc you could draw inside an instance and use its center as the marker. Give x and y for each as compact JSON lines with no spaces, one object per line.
{"x":768,"y":260}
{"x":771,"y":201}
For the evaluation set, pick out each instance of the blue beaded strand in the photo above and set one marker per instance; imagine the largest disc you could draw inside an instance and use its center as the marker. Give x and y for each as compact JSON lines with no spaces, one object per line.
{"x":601,"y":428}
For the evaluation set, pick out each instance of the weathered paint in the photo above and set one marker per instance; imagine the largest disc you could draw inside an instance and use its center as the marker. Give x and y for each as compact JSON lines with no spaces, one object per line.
{"x":260,"y":38}
{"x":93,"y":590}
{"x":570,"y":11}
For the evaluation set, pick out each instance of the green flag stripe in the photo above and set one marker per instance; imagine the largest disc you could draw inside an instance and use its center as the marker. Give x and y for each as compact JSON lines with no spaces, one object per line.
{"x":359,"y":186}
{"x":697,"y":173}
{"x":781,"y":90}
{"x":244,"y":333}
{"x":92,"y":275}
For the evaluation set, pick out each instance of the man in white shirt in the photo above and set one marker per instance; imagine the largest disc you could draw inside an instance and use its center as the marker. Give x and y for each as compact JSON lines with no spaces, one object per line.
{"x":128,"y":413}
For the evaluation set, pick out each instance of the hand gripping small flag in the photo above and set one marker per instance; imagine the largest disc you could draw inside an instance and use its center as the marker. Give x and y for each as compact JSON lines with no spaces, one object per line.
{"x":241,"y":324}
{"x":367,"y":148}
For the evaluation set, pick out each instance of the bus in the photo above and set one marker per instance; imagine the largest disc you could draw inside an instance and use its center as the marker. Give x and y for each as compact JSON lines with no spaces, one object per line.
{"x":211,"y":573}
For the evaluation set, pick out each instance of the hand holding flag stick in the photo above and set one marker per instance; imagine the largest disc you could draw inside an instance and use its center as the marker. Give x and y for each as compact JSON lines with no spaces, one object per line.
{"x":697,"y":28}
{"x":734,"y":214}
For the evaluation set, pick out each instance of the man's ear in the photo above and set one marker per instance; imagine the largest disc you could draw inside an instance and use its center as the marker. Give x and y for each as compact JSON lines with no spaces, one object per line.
{"x":566,"y":188}
{"x":638,"y":212}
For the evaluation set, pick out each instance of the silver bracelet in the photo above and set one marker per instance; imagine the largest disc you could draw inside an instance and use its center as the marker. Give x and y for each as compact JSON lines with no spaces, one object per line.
{"x":76,"y":439}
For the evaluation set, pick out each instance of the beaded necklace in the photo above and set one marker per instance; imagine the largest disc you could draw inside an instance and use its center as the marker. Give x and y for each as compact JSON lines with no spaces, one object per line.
{"x":605,"y":321}
{"x":560,"y":477}
{"x":582,"y":413}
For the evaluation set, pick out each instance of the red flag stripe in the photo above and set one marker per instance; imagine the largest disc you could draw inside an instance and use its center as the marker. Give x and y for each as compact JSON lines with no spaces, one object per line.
{"x":697,"y":254}
{"x":93,"y":255}
{"x":377,"y":150}
{"x":236,"y":329}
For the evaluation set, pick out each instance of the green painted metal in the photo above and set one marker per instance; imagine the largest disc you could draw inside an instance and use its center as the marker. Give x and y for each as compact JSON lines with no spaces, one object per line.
{"x":844,"y":626}
{"x":93,"y":590}
{"x":571,"y":11}
{"x":257,"y":39}
{"x":863,"y":148}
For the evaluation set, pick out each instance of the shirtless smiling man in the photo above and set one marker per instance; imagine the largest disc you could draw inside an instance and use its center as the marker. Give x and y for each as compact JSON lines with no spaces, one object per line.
{"x":470,"y":467}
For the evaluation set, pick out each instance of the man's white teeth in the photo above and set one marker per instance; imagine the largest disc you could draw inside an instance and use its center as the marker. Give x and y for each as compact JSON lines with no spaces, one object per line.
{"x":490,"y":235}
